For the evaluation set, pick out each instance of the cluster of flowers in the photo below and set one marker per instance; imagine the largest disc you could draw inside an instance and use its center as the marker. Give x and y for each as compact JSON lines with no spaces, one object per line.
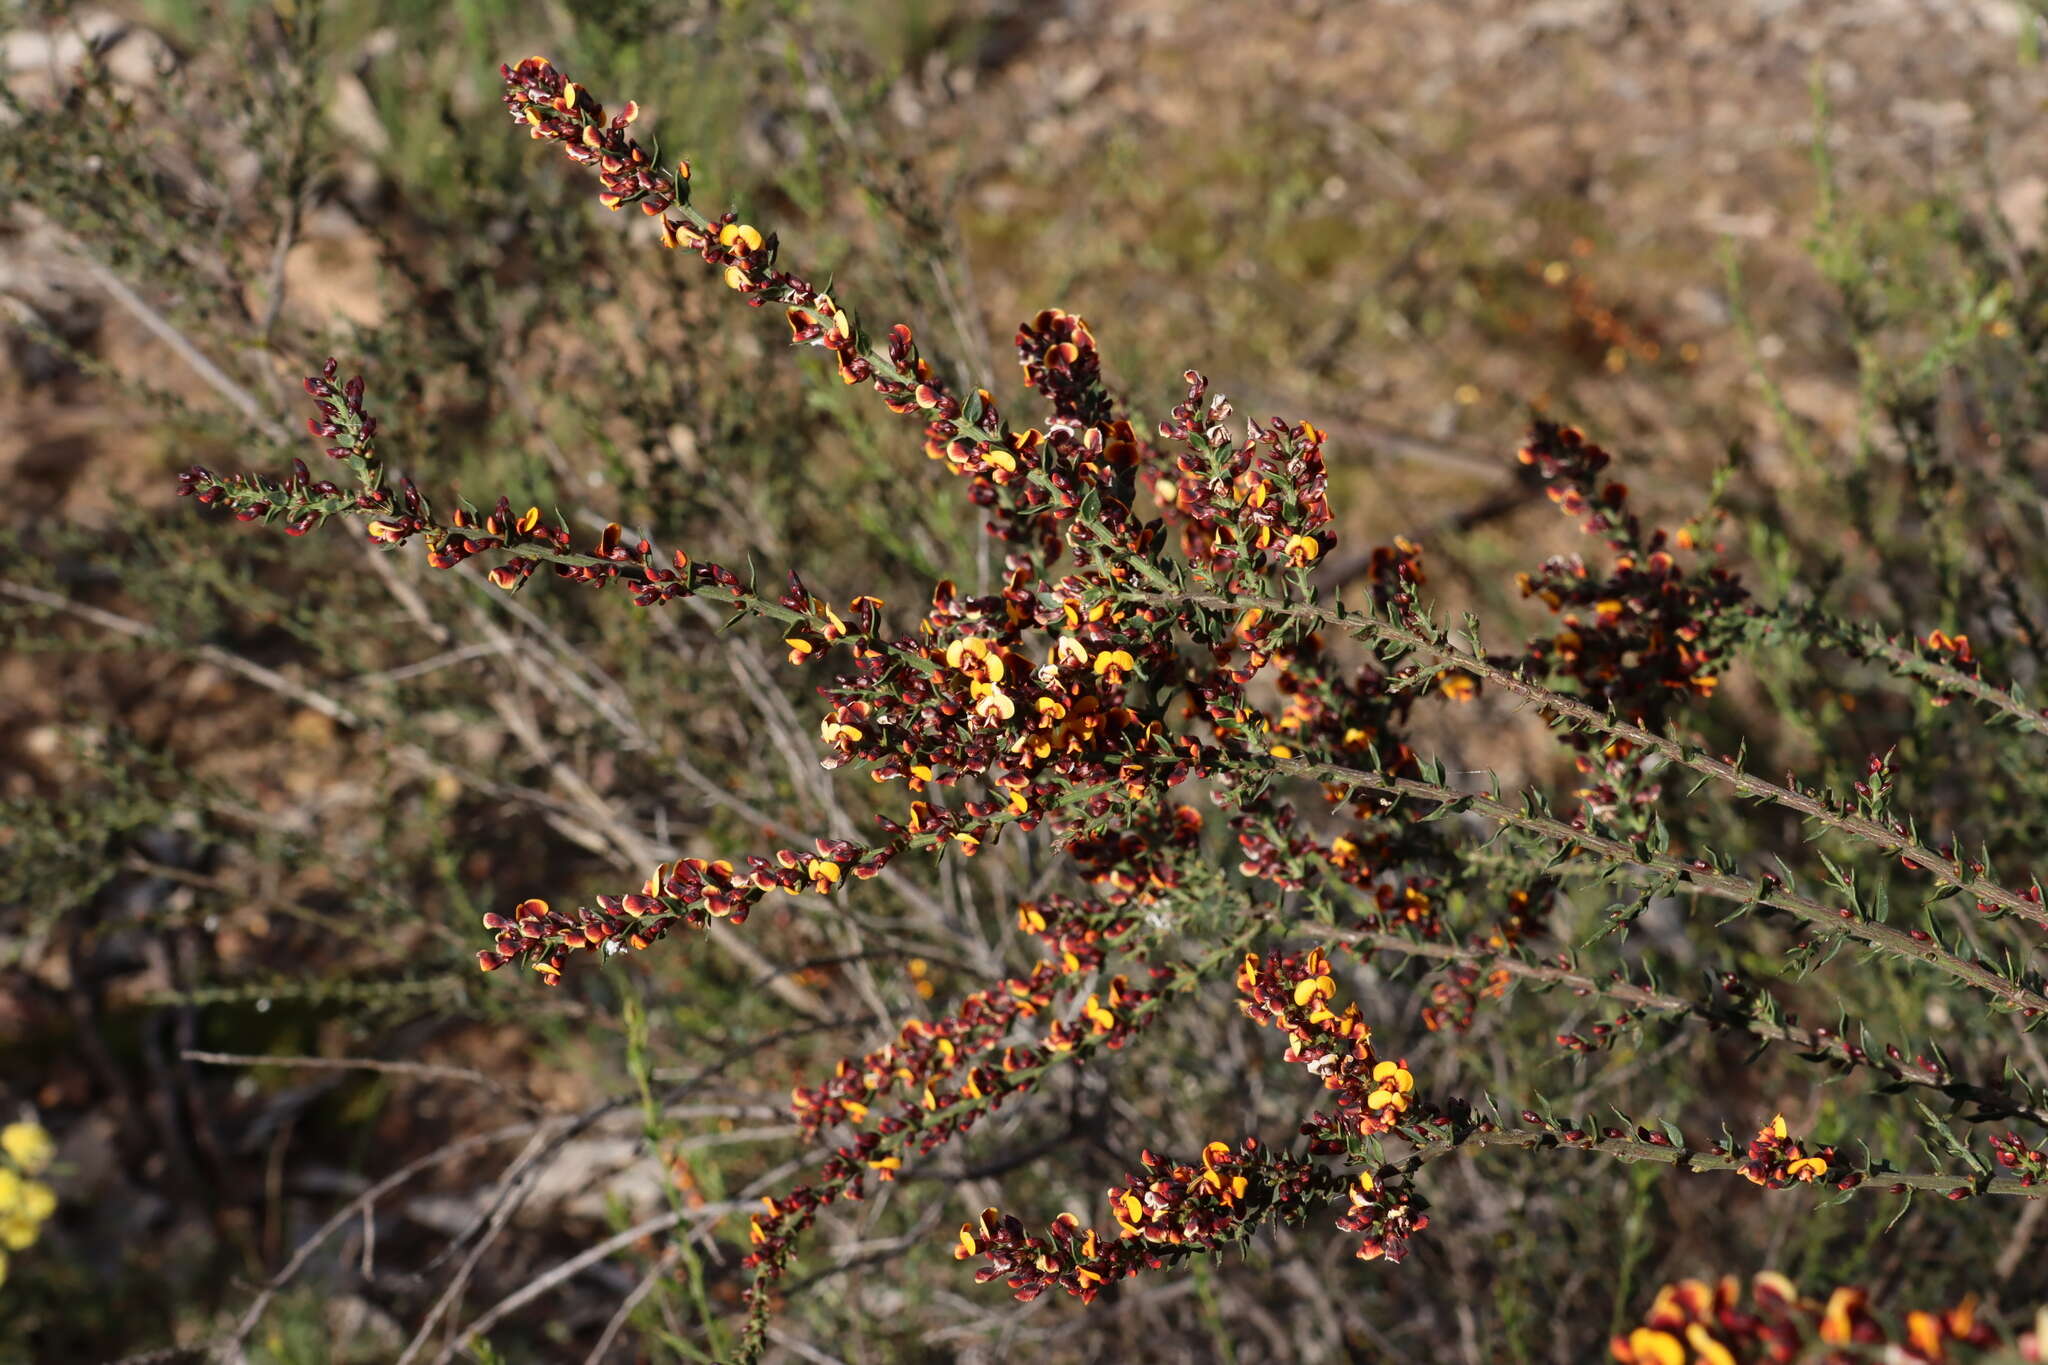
{"x":1278,"y":848}
{"x":1172,"y":1209}
{"x":1455,"y":993}
{"x":944,"y":1075}
{"x":1026,"y":690}
{"x":1401,"y":873}
{"x":964,"y":1054}
{"x":1241,"y":505}
{"x":1953,"y":651}
{"x":1168,"y":1211}
{"x":1136,"y":865}
{"x":1052,"y":693}
{"x":301,"y":503}
{"x":298,"y":500}
{"x":689,"y":891}
{"x":1777,"y":1160}
{"x":1696,"y":1323}
{"x":1648,"y":634}
{"x":1292,"y":992}
{"x":1016,"y":475}
{"x":26,"y":1203}
{"x":1388,"y":1211}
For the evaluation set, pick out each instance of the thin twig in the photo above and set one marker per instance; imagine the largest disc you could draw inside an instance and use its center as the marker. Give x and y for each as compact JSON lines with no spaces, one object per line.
{"x":424,"y":1070}
{"x":338,"y":712}
{"x":514,"y":1186}
{"x":1700,"y":1160}
{"x":165,"y":331}
{"x":229,"y":1350}
{"x":445,"y":659}
{"x":633,"y":1299}
{"x":271,"y":680}
{"x":575,"y":1265}
{"x":547,"y":1280}
{"x":2023,"y":998}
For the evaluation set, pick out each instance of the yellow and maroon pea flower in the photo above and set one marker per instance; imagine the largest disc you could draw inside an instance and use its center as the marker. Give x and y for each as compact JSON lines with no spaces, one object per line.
{"x":1393,"y":1084}
{"x":824,"y":873}
{"x":512,"y":573}
{"x":1458,"y":685}
{"x":1113,"y":665}
{"x":1941,"y":642}
{"x":743,"y":243}
{"x":991,"y":703}
{"x":948,"y":1065}
{"x":843,"y":726}
{"x":804,"y":645}
{"x":978,"y":658}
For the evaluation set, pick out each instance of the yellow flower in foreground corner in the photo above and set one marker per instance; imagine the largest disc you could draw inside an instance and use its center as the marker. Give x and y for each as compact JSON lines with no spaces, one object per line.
{"x":28,"y":1145}
{"x":25,"y":1204}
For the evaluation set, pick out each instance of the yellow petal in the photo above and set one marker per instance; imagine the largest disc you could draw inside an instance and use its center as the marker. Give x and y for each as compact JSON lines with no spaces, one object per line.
{"x":1709,"y":1351}
{"x":38,"y":1201}
{"x":1314,"y":988}
{"x":1652,"y":1347}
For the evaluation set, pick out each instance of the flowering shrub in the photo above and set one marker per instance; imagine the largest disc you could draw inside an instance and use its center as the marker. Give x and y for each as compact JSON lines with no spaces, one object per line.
{"x":25,"y":1202}
{"x":1157,"y":636}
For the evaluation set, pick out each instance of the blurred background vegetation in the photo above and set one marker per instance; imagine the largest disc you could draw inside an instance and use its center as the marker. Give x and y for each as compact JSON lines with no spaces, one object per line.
{"x":258,"y":792}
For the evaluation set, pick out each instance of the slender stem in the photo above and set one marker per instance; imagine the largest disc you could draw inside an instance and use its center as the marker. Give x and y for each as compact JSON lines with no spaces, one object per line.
{"x":423,"y":1070}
